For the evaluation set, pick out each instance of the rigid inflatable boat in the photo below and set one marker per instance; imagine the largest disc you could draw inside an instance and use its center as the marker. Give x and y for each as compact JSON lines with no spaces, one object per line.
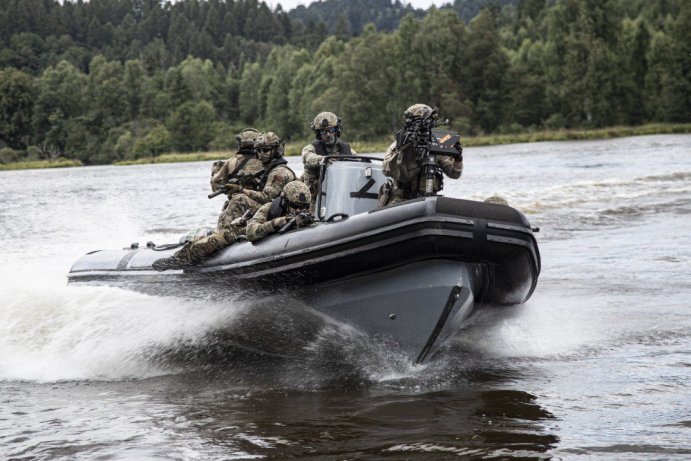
{"x":409,"y":274}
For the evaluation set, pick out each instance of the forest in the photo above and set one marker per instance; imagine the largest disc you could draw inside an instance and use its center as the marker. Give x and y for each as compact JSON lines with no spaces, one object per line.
{"x":105,"y":80}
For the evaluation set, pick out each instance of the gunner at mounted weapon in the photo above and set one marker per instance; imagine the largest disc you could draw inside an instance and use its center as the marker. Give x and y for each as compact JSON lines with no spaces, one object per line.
{"x":418,"y":160}
{"x":327,"y":128}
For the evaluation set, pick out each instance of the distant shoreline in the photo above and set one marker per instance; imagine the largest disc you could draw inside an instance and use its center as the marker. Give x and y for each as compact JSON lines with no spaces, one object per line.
{"x":363,"y":147}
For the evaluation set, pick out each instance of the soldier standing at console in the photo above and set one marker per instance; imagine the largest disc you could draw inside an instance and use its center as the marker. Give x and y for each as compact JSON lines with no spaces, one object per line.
{"x":327,"y":128}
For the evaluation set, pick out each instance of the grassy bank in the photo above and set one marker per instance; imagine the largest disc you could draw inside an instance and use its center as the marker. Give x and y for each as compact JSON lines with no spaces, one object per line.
{"x":364,"y":147}
{"x":177,"y":157}
{"x":570,"y":135}
{"x":59,"y":163}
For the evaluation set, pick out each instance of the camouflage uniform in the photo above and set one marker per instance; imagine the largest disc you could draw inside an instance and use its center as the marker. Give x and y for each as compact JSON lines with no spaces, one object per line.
{"x":231,"y":224}
{"x":246,"y":163}
{"x":399,"y":165}
{"x":260,"y":226}
{"x":251,"y":166}
{"x":313,"y":153}
{"x":196,"y":251}
{"x":296,"y":195}
{"x":221,"y":170}
{"x":237,"y":203}
{"x":405,"y":169}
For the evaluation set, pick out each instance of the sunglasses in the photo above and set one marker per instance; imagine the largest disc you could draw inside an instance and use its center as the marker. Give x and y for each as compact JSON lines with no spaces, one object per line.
{"x":332,"y":130}
{"x":263,"y":150}
{"x":297,"y":206}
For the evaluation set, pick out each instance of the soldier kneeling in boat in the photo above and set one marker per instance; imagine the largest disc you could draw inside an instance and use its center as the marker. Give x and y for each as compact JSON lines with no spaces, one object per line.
{"x":405,"y":164}
{"x":243,"y":203}
{"x":283,"y":213}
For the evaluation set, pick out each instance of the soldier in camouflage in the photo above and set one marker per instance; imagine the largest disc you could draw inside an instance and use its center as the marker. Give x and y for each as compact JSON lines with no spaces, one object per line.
{"x":327,"y":128}
{"x":286,"y":211}
{"x":276,"y":175}
{"x":244,"y":164}
{"x":405,"y":169}
{"x":224,"y":170}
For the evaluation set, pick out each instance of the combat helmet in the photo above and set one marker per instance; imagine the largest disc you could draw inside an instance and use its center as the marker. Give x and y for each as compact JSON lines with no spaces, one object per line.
{"x":245,"y":139}
{"x":419,"y":111}
{"x":268,"y":146}
{"x":327,"y":127}
{"x":298,"y":194}
{"x":420,"y":115}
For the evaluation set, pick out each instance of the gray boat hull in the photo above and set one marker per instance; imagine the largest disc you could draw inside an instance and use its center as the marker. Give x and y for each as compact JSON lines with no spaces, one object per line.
{"x":414,"y":308}
{"x":408,"y":274}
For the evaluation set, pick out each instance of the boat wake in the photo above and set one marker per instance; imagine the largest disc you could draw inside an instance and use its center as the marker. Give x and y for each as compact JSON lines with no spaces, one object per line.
{"x":56,"y":333}
{"x":97,"y":333}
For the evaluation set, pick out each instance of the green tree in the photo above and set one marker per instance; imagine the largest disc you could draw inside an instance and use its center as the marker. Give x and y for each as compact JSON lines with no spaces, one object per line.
{"x":26,"y":52}
{"x":362,"y":84}
{"x":284,"y":63}
{"x":634,"y":44}
{"x":61,"y":95}
{"x":526,"y":86}
{"x":487,"y":67}
{"x":156,"y":142}
{"x":191,"y":125}
{"x":666,"y":92}
{"x":581,"y":64}
{"x":133,"y":82}
{"x":17,"y":92}
{"x":668,"y":81}
{"x":439,"y":68}
{"x":313,"y":86}
{"x":248,"y":100}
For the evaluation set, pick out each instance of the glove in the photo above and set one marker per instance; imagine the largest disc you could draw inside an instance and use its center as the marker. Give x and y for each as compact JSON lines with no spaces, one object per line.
{"x":304,"y":220}
{"x":233,"y":188}
{"x":239,"y":222}
{"x":280,"y":221}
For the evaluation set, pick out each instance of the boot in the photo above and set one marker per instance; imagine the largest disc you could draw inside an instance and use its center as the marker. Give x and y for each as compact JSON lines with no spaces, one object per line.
{"x":171,"y":262}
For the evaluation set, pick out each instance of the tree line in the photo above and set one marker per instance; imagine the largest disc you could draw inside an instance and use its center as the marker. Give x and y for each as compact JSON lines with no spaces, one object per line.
{"x":530,"y":64}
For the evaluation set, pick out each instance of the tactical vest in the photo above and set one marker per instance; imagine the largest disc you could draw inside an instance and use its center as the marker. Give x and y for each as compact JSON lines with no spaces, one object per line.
{"x":344,"y":148}
{"x":268,"y":168}
{"x":239,"y":167}
{"x":406,"y":170}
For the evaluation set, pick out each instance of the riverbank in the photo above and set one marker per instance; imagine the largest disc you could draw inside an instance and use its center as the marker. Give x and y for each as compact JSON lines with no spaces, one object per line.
{"x":365,"y":147}
{"x":33,"y":164}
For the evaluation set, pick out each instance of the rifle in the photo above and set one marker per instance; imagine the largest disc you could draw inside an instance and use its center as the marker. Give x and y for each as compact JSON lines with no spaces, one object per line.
{"x":428,"y":143}
{"x":247,"y":179}
{"x":304,"y":216}
{"x":242,"y":220}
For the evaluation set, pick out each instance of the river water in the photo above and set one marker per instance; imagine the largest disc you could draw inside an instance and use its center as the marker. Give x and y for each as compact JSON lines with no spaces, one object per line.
{"x":596,"y":365}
